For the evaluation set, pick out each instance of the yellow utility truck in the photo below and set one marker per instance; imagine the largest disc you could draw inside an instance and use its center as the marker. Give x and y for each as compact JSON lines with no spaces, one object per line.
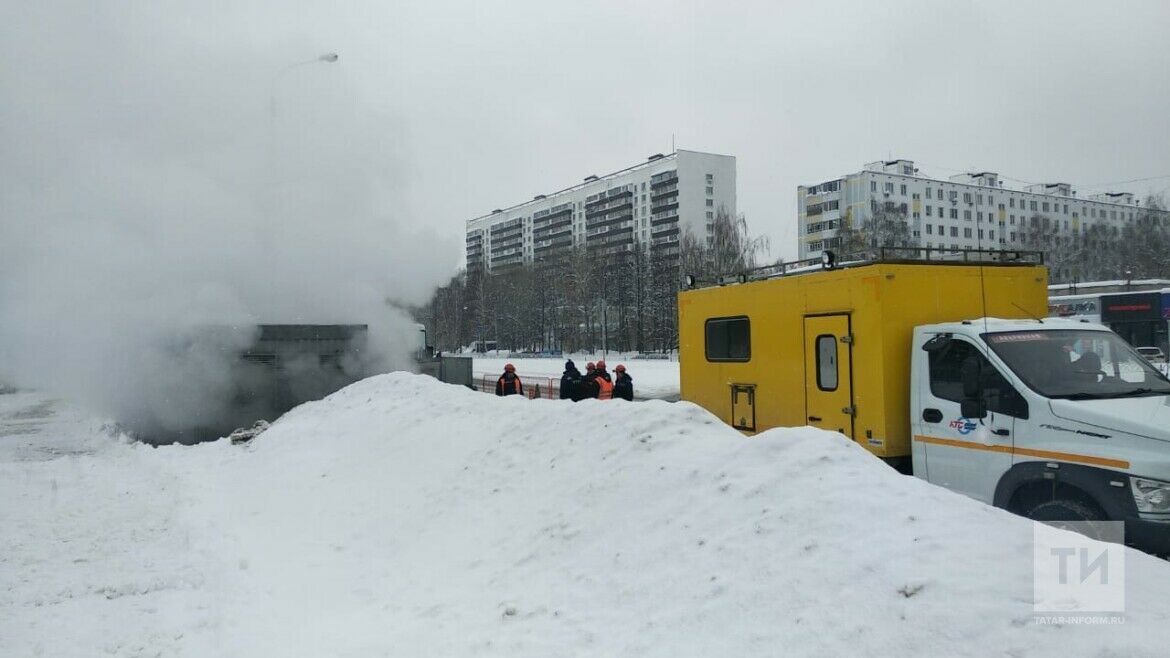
{"x":830,"y":347}
{"x":947,"y":370}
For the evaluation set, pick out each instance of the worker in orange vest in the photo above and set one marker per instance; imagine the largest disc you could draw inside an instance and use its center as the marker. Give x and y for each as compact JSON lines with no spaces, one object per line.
{"x":509,"y":382}
{"x":604,"y":382}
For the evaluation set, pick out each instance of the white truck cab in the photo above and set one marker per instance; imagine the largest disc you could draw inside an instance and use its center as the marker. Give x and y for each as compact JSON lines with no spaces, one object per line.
{"x":1056,"y":420}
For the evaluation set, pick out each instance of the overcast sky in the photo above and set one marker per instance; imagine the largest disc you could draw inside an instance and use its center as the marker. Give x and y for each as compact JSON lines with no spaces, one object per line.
{"x":480,"y":105}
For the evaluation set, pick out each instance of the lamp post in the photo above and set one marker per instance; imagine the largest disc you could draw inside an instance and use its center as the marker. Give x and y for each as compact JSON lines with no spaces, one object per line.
{"x":327,"y":58}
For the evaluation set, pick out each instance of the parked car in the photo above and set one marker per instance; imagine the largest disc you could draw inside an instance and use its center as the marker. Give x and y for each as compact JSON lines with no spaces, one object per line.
{"x":1152,"y":354}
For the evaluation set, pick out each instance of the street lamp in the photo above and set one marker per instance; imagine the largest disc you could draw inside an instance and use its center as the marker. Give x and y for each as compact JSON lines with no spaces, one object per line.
{"x":327,"y":58}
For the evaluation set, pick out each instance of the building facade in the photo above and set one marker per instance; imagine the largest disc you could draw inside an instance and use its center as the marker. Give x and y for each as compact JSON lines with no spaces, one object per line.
{"x":648,"y":206}
{"x":967,"y":211}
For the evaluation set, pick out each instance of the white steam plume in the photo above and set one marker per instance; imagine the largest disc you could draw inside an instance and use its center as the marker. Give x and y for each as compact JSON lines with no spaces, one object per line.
{"x":146,"y":192}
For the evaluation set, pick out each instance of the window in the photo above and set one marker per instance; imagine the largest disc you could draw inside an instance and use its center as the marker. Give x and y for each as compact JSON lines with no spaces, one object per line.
{"x":710,"y":178}
{"x":991,"y":235}
{"x":873,"y":186}
{"x":729,"y":339}
{"x":928,"y":192}
{"x":929,"y":210}
{"x":967,"y":215}
{"x":966,"y":197}
{"x":942,"y":230}
{"x":1032,"y":204}
{"x":955,"y":231}
{"x":710,"y":215}
{"x":1045,"y":206}
{"x":954,"y":213}
{"x":946,"y":379}
{"x":710,"y":203}
{"x":903,"y":190}
{"x":980,"y":200}
{"x":929,"y":229}
{"x":980,"y":234}
{"x":966,"y":233}
{"x":889,"y":187}
{"x":827,"y":362}
{"x":710,"y":190}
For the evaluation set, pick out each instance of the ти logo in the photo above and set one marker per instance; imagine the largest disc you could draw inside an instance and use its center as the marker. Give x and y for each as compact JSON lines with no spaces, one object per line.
{"x":963,"y":425}
{"x":1077,"y":577}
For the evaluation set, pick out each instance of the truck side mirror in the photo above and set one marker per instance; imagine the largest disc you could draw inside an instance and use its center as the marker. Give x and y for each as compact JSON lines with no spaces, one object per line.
{"x":972,"y":405}
{"x":970,"y":376}
{"x":973,"y":408}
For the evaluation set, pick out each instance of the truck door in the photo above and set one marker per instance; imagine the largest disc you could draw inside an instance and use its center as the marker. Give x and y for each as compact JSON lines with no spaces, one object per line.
{"x":967,"y":455}
{"x":828,"y":381}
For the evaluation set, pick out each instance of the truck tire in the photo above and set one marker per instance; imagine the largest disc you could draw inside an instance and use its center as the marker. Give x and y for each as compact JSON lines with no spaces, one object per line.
{"x":1062,"y":512}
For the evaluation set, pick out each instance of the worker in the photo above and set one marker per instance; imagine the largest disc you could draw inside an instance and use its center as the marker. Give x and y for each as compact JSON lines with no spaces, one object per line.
{"x":604,"y":382}
{"x":587,"y":388}
{"x":509,"y":382}
{"x":570,"y":381}
{"x":623,"y":385}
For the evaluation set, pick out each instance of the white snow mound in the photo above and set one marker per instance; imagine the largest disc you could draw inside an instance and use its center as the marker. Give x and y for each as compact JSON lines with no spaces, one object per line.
{"x":404,"y":517}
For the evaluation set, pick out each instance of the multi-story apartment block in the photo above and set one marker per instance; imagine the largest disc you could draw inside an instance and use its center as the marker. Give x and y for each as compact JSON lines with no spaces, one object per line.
{"x":967,"y":211}
{"x":647,"y":206}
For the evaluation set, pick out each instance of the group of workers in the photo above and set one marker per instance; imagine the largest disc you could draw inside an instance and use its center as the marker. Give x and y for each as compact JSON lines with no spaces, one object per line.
{"x":595,"y":383}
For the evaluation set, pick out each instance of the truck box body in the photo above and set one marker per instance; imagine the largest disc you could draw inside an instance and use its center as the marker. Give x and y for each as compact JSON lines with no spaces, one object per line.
{"x":831,"y":348}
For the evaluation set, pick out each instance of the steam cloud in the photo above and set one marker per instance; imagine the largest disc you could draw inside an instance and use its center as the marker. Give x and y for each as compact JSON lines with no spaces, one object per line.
{"x":147,"y":192}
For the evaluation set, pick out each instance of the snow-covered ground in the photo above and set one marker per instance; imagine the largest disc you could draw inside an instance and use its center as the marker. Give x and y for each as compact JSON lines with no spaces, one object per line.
{"x":656,"y":379}
{"x":404,"y":517}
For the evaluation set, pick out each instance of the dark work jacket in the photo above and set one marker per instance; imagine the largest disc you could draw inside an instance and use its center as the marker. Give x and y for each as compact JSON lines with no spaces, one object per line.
{"x":509,"y":384}
{"x":570,"y":382}
{"x":623,"y":387}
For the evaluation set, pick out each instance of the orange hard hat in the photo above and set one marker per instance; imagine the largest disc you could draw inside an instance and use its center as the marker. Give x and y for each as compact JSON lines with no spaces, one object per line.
{"x":620,"y":368}
{"x":509,"y":368}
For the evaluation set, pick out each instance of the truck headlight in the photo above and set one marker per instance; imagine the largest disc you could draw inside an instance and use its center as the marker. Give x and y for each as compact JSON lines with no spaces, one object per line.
{"x":1150,"y":495}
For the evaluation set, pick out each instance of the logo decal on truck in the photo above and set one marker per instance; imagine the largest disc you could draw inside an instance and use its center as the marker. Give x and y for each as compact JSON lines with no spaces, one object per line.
{"x":963,"y":425}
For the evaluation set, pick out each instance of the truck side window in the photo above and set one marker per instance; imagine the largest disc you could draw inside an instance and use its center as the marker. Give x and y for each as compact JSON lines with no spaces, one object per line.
{"x":729,"y":339}
{"x":946,"y":379}
{"x":827,"y":362}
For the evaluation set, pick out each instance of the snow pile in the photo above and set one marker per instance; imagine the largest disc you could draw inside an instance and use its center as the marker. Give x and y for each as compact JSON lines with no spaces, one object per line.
{"x":401,"y":516}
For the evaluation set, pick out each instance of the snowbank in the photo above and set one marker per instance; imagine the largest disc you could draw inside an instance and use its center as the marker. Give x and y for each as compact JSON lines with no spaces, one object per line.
{"x":401,"y":516}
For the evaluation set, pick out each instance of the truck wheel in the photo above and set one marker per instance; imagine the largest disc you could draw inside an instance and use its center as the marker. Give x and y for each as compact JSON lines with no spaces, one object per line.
{"x":1060,"y":513}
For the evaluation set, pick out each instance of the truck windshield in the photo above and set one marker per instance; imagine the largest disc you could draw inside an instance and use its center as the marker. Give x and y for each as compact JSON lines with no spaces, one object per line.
{"x":1077,"y":364}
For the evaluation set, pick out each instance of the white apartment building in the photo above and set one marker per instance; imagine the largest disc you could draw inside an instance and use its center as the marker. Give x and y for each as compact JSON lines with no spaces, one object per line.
{"x":648,"y":206}
{"x":967,"y":211}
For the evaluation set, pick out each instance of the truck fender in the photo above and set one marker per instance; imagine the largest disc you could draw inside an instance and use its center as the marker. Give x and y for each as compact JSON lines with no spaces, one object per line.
{"x":1032,"y":482}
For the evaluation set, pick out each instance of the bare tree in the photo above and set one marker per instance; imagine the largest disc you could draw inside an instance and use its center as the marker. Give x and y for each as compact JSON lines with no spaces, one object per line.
{"x":885,"y":225}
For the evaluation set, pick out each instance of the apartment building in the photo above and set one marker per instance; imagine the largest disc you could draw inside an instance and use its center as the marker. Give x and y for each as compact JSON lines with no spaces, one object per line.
{"x":967,"y":211}
{"x":646,"y":206}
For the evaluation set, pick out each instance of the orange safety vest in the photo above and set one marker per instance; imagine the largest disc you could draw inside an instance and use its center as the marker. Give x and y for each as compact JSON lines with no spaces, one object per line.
{"x":502,"y":383}
{"x":605,"y":389}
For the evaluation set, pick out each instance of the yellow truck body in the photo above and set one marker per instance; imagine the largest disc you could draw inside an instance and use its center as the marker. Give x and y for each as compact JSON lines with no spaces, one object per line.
{"x":831,"y":348}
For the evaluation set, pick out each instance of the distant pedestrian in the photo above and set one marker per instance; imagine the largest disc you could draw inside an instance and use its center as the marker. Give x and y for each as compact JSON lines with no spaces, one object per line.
{"x":509,"y":382}
{"x":570,"y":381}
{"x":623,"y":385}
{"x":604,"y":382}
